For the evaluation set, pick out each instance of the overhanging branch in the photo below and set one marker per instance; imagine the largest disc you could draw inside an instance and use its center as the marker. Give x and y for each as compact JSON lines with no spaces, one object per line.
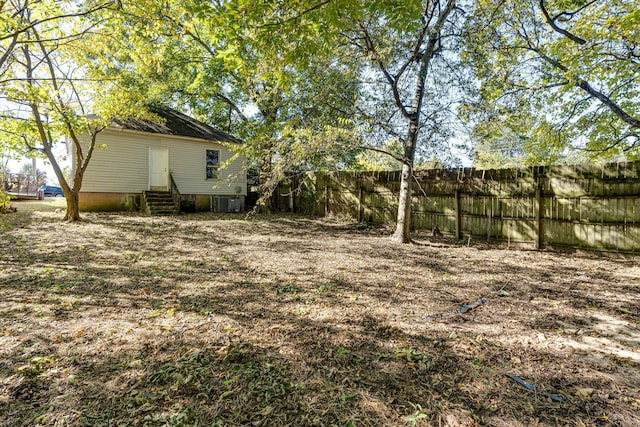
{"x":296,"y":17}
{"x":586,"y":86}
{"x":552,"y":22}
{"x":402,"y":160}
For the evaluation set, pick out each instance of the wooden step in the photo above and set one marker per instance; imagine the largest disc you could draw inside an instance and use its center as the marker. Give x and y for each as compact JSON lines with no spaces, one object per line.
{"x":160,"y":203}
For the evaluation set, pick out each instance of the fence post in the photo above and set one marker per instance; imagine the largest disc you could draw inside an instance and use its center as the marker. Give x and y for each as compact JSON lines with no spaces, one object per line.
{"x":539,"y":228}
{"x":326,"y":195}
{"x":489,"y":217}
{"x":360,"y":200}
{"x":458,"y":218}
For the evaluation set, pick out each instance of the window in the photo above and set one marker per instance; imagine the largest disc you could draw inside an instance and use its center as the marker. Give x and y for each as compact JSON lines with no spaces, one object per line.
{"x":213,"y":160}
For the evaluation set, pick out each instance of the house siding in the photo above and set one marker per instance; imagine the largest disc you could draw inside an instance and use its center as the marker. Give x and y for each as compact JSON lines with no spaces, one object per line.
{"x":123,"y":166}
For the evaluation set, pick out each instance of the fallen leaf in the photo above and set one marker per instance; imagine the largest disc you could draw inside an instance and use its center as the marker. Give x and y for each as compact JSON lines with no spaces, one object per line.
{"x":585,"y":392}
{"x":227,"y":394}
{"x":266,"y":411}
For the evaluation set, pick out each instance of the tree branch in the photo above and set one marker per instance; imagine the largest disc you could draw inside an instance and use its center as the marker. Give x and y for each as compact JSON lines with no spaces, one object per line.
{"x":402,"y":160}
{"x":299,"y":15}
{"x":429,"y":52}
{"x":615,"y":109}
{"x":552,"y":22}
{"x":571,"y":14}
{"x":416,"y":55}
{"x":584,"y":85}
{"x":232,"y":105}
{"x":8,"y":51}
{"x":53,"y":18}
{"x":393,"y":82}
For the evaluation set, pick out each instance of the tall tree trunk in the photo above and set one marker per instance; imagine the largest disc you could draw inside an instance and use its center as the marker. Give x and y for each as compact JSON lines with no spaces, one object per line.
{"x":266,"y":179}
{"x":268,"y":183}
{"x":71,"y":192}
{"x":403,"y":222}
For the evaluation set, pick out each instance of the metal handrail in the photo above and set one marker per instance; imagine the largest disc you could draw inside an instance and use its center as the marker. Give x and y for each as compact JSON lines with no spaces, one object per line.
{"x":174,"y":191}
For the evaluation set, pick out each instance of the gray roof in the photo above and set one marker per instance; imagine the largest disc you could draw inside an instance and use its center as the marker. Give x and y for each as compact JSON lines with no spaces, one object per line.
{"x":176,"y":123}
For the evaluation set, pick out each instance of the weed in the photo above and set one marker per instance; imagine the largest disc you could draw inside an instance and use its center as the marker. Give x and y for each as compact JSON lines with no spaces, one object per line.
{"x":326,"y":288}
{"x":347,"y":398}
{"x":287,"y":289}
{"x":342,"y":352}
{"x":417,"y":415}
{"x":36,"y":366}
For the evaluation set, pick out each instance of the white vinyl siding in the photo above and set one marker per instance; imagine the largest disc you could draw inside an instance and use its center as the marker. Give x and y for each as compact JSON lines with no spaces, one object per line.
{"x":123,"y":167}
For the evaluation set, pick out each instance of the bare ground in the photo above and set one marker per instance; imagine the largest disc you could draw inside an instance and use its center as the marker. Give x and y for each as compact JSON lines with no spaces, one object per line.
{"x":292,"y":321}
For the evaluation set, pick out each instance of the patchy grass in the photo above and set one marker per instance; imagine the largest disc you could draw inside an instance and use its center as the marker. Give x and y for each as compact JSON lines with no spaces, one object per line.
{"x":219,"y":320}
{"x":48,"y":204}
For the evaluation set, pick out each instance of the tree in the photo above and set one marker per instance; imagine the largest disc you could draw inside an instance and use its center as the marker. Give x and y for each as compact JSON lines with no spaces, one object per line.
{"x":409,"y":82}
{"x":573,"y":66}
{"x":21,"y":16}
{"x":400,"y":52}
{"x":48,"y":93}
{"x":230,"y":64}
{"x":428,"y":40}
{"x":409,"y":73}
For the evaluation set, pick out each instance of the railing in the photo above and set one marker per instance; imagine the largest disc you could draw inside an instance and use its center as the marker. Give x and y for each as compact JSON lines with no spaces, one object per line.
{"x":175,"y":192}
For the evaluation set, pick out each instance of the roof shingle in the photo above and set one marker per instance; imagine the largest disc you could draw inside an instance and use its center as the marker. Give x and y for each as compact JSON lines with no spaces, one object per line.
{"x":176,"y":123}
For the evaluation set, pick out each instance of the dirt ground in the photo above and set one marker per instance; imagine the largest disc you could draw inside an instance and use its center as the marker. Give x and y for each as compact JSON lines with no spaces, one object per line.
{"x":218,"y":320}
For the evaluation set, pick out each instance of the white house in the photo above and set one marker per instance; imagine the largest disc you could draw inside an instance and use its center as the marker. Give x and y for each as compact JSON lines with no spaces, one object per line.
{"x":137,"y":162}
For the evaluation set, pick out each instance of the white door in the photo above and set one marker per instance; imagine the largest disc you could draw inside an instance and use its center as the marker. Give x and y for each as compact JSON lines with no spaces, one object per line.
{"x":159,"y":169}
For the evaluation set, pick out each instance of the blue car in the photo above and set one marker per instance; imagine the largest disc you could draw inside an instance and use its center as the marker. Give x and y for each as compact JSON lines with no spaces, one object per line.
{"x":52,"y":191}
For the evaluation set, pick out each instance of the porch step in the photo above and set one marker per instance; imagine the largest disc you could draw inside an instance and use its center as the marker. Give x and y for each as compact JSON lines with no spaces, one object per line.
{"x":160,"y":203}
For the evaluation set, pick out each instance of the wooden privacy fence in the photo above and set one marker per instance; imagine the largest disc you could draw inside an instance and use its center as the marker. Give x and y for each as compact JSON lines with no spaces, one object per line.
{"x":595,"y":207}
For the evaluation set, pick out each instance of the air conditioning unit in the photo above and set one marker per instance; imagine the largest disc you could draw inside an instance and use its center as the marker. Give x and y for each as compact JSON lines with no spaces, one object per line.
{"x":229,"y":204}
{"x":234,"y":205}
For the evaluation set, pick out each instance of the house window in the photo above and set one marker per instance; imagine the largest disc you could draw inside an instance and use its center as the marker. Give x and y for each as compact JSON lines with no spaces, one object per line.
{"x":213,"y":160}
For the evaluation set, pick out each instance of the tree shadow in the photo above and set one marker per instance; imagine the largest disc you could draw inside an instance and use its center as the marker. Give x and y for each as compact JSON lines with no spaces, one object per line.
{"x":173,"y":322}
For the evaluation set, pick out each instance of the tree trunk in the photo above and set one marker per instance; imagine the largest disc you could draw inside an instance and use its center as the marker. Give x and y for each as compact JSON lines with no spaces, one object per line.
{"x":71,"y":192}
{"x":403,"y":222}
{"x":403,"y":219}
{"x":265,"y":188}
{"x":73,"y":210}
{"x":268,"y":183}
